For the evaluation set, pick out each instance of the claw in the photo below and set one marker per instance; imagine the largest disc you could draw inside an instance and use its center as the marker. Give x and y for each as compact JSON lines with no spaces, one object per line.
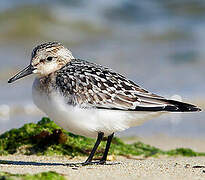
{"x":93,"y":163}
{"x":102,"y":162}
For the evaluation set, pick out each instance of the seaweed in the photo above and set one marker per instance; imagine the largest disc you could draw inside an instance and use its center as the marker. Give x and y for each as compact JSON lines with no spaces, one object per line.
{"x":40,"y":176}
{"x":46,"y":138}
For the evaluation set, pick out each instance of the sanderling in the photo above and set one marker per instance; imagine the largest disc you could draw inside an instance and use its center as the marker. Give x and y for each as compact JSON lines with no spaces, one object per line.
{"x":88,"y":99}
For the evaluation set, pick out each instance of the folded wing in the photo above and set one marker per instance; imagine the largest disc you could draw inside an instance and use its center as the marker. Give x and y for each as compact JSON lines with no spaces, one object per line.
{"x":95,"y":86}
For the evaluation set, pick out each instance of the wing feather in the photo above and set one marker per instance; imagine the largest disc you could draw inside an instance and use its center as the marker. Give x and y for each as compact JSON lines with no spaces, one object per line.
{"x":95,"y":86}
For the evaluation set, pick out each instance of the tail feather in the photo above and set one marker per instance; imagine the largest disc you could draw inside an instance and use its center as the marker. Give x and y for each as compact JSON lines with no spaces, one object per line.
{"x":177,"y":106}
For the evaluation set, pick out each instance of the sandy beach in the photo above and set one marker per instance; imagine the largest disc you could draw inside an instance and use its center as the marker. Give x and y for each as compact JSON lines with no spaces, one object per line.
{"x":134,"y":168}
{"x":131,"y":167}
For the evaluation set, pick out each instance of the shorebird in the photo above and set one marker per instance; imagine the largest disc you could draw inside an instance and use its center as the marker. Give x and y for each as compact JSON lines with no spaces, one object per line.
{"x":89,"y":99}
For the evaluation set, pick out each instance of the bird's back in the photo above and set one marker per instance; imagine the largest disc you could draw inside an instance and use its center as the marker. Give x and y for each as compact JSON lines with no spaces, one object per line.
{"x":90,"y":85}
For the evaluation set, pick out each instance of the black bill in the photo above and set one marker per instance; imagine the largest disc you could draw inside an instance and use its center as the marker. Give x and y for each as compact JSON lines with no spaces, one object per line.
{"x":25,"y":72}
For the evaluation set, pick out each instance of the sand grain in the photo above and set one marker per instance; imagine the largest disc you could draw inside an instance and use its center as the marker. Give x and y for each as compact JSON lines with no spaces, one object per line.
{"x":150,"y":168}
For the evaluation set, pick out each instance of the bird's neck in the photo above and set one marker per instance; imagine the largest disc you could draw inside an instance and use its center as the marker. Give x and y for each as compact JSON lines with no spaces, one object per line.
{"x":45,"y":83}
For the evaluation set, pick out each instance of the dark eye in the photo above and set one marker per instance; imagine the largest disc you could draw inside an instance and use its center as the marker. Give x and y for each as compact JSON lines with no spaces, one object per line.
{"x":49,"y":58}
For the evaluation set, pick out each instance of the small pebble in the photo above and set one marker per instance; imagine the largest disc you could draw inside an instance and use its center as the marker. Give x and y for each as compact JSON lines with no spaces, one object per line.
{"x":176,"y":164}
{"x":187,"y":166}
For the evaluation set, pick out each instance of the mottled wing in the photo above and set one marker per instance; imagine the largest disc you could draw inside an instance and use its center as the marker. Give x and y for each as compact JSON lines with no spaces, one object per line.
{"x":91,"y":85}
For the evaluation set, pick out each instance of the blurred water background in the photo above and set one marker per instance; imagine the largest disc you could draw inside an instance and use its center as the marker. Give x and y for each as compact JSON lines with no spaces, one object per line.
{"x":160,"y":44}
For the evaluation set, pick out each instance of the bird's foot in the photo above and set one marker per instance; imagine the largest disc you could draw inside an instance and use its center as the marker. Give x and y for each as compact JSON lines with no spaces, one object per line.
{"x":101,"y":162}
{"x":87,"y":163}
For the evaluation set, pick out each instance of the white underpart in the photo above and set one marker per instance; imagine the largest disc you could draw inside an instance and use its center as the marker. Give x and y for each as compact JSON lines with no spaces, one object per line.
{"x":87,"y":122}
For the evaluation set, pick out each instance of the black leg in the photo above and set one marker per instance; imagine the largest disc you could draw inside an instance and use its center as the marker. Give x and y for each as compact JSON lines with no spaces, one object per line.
{"x":103,"y":159}
{"x":109,"y":140}
{"x":99,"y":139}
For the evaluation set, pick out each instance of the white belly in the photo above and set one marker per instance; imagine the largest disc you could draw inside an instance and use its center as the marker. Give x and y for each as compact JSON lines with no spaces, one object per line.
{"x":87,"y":122}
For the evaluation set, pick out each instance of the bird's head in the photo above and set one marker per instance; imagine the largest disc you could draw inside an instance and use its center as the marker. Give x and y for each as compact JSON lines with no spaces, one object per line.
{"x":45,"y":59}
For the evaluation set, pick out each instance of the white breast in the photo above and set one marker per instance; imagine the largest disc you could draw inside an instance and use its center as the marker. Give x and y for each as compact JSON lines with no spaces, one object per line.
{"x":86,"y":122}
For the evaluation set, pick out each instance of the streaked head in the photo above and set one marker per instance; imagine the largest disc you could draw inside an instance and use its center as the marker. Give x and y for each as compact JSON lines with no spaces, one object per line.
{"x":45,"y":59}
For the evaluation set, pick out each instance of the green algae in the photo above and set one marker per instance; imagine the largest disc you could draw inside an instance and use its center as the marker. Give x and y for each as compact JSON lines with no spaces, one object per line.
{"x":40,"y":176}
{"x":46,"y":138}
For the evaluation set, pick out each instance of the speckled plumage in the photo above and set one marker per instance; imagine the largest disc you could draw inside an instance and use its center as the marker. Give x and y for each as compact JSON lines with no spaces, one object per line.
{"x":89,"y":85}
{"x":45,"y":46}
{"x":92,"y":85}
